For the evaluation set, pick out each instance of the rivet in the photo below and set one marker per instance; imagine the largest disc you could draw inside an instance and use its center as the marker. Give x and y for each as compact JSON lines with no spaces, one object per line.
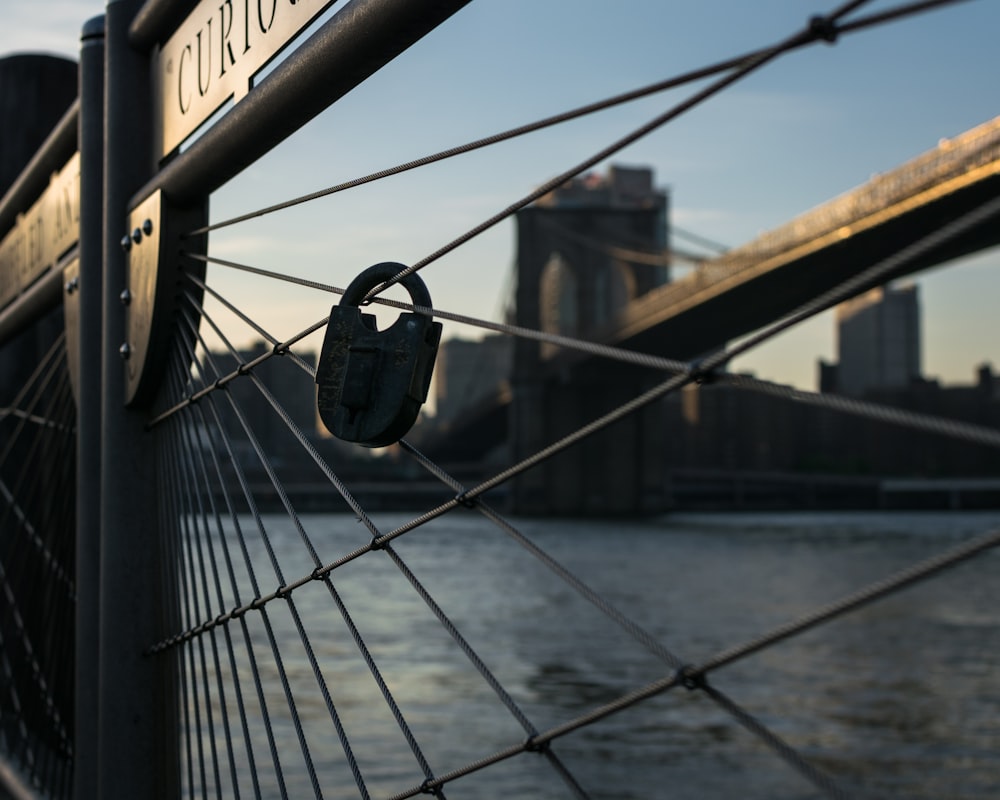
{"x":147,"y":226}
{"x":125,"y":351}
{"x":126,"y":243}
{"x":125,"y":297}
{"x":137,"y":235}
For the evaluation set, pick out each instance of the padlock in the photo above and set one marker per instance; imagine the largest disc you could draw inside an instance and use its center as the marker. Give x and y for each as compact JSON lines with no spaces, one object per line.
{"x":371,"y":382}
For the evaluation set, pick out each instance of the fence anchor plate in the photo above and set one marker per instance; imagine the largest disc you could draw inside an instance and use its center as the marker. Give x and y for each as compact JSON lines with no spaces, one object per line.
{"x":156,"y":258}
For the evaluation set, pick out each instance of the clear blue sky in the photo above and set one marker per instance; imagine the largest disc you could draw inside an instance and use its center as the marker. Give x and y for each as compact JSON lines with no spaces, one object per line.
{"x":804,"y":129}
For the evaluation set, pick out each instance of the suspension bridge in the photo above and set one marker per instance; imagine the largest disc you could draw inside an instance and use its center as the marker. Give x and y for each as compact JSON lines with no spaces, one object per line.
{"x":161,"y":636}
{"x":898,"y":222}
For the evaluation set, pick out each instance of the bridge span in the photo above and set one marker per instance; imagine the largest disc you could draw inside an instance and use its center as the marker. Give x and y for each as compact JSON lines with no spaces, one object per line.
{"x":751,"y":285}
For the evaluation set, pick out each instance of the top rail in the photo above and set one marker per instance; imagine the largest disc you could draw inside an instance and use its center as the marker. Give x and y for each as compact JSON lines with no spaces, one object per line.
{"x":156,"y":20}
{"x":360,"y":39}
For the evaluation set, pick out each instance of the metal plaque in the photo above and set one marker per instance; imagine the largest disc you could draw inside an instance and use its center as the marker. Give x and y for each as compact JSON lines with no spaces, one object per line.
{"x":214,"y":55}
{"x":156,"y":258}
{"x":43,"y":234}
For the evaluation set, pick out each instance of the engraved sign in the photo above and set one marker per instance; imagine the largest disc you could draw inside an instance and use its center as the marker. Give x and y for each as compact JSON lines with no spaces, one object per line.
{"x":215,"y":53}
{"x":43,"y":234}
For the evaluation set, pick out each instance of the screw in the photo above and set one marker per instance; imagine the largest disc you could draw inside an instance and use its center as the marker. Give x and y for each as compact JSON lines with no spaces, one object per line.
{"x":137,"y":235}
{"x":125,"y":297}
{"x":126,"y":243}
{"x":125,"y":351}
{"x":69,"y":287}
{"x":147,"y":226}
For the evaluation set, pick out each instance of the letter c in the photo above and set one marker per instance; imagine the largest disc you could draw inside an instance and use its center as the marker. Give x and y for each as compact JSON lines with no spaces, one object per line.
{"x":180,"y":80}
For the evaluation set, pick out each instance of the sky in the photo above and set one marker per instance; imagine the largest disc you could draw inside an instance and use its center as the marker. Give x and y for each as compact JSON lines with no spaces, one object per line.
{"x":805,"y":128}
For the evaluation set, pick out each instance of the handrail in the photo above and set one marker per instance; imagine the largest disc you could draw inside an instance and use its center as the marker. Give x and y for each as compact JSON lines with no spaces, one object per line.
{"x":156,"y":20}
{"x":360,"y":39}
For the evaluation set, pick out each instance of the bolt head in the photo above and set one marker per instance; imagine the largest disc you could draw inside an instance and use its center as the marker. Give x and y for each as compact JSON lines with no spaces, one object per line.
{"x":137,"y":235}
{"x":125,"y":351}
{"x":126,"y":243}
{"x":147,"y":226}
{"x":125,"y":297}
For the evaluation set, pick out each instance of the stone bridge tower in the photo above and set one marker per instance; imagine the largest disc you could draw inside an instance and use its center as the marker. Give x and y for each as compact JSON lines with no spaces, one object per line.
{"x":583,"y":252}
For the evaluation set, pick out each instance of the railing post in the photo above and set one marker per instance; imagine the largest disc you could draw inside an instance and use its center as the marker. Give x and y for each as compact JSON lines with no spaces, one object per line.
{"x":88,"y":442}
{"x":137,"y":692}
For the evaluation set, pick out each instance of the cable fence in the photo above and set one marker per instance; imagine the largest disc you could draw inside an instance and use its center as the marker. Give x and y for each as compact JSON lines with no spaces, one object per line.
{"x":37,"y":574}
{"x":455,"y":651}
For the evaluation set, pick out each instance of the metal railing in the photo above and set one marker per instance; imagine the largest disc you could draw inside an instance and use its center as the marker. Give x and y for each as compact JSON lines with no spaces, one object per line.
{"x":203,"y":662}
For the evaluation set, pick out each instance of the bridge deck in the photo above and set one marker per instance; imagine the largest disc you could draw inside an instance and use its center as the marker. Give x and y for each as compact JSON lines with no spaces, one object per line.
{"x":770,"y":276}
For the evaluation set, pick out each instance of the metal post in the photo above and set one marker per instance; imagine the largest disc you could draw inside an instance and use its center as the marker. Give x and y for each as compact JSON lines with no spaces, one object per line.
{"x":137,"y":730}
{"x":88,"y":443}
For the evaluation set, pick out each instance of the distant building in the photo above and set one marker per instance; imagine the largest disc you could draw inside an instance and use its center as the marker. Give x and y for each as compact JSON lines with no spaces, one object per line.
{"x":878,"y":338}
{"x":719,"y":426}
{"x":467,"y":371}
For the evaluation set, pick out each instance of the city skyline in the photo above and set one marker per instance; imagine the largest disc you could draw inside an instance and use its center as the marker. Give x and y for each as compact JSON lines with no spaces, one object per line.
{"x":808,"y":127}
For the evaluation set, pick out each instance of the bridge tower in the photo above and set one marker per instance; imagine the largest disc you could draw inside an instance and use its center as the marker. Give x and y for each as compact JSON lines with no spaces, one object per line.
{"x":583,"y":252}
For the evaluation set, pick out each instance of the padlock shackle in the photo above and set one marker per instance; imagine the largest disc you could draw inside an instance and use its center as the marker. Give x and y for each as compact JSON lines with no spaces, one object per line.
{"x":380,"y":273}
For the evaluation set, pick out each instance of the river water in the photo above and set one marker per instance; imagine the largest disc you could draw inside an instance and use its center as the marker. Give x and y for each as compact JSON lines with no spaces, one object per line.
{"x":901,"y":699}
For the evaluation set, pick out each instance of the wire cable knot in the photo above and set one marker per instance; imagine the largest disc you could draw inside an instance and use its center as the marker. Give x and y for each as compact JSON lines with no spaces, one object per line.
{"x":463,"y":499}
{"x":426,"y":788}
{"x":824,"y":28}
{"x":701,"y":375}
{"x":690,"y":678}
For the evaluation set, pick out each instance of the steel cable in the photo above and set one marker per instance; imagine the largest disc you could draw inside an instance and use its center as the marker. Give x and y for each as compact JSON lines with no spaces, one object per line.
{"x":640,"y":635}
{"x":186,"y":454}
{"x":199,"y":448}
{"x":317,"y":672}
{"x":865,"y":596}
{"x":394,"y":708}
{"x":214,"y":430}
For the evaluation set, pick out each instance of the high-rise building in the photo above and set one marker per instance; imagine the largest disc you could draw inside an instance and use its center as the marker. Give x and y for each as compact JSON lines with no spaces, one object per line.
{"x":878,"y":338}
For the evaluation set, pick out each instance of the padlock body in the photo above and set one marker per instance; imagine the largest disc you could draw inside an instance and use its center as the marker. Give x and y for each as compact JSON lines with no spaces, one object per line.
{"x":372,"y":383}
